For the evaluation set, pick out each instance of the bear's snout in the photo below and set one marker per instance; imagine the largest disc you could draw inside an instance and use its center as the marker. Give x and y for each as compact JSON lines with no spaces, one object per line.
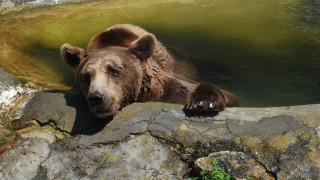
{"x":96,"y":98}
{"x":100,"y":105}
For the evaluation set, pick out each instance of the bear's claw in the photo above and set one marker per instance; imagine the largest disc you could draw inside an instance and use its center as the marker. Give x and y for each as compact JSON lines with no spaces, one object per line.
{"x":205,"y":98}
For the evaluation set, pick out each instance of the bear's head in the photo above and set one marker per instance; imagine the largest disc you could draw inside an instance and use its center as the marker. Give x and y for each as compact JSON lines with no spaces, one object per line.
{"x":110,"y":76}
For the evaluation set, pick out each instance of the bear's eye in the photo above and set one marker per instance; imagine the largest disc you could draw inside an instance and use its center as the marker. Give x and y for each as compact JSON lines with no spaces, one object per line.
{"x":86,"y":77}
{"x":113,"y":72}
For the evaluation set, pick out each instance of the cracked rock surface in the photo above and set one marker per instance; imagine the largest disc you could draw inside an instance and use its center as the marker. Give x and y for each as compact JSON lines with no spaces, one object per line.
{"x":23,"y":161}
{"x":157,"y":140}
{"x":140,"y":156}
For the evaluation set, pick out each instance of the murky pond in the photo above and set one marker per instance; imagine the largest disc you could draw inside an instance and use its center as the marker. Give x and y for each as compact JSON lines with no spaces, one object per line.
{"x":266,"y":52}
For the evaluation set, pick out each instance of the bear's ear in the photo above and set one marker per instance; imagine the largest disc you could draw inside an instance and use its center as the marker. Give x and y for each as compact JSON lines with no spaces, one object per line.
{"x":143,"y":47}
{"x":72,"y":55}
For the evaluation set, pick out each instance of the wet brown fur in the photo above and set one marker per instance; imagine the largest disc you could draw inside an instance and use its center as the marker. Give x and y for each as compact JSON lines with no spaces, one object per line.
{"x":146,"y":74}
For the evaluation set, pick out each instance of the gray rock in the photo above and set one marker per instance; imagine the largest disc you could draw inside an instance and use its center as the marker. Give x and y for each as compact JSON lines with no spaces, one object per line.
{"x":139,"y":157}
{"x":283,"y":140}
{"x":12,"y":97}
{"x":12,"y":94}
{"x":63,"y":108}
{"x":7,"y":79}
{"x":266,"y":128}
{"x":23,"y":161}
{"x":120,"y":127}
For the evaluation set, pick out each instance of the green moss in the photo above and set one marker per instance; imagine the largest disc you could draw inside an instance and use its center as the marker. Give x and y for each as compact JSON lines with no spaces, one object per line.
{"x":216,"y":172}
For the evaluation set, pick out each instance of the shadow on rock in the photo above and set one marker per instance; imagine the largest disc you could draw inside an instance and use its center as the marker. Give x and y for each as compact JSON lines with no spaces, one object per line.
{"x":65,"y":109}
{"x":84,"y":122}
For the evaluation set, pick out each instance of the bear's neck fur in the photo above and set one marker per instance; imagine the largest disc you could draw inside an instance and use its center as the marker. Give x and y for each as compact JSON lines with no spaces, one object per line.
{"x":159,"y":82}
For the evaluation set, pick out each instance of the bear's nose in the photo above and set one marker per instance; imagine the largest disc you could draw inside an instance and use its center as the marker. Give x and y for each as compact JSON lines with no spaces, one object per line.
{"x":96,"y":98}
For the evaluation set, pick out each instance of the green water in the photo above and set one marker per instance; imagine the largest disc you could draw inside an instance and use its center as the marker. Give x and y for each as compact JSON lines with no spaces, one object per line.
{"x":265,"y":52}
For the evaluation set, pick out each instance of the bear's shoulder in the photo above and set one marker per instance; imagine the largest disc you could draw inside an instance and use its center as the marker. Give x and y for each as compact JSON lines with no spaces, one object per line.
{"x":118,"y":35}
{"x":129,"y":28}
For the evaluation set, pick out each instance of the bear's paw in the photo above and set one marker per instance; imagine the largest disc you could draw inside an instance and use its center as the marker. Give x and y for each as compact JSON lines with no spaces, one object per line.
{"x":205,"y":98}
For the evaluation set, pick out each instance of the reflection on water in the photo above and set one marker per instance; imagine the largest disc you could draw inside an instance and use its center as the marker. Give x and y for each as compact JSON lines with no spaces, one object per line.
{"x":266,"y":52}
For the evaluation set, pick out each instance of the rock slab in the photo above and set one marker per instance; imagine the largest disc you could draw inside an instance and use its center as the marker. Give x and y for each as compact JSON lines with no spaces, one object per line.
{"x":157,"y":140}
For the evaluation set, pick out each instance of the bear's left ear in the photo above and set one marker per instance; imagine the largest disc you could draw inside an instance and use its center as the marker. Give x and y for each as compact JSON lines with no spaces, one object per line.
{"x":143,"y":47}
{"x":72,"y":55}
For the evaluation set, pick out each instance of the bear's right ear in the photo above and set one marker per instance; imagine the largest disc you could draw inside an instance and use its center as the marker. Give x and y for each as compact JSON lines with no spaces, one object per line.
{"x":144,"y":47}
{"x":72,"y":55}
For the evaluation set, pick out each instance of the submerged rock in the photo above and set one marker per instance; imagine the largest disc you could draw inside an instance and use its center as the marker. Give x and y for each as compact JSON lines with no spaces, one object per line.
{"x":158,"y":140}
{"x":8,"y":90}
{"x":8,"y":79}
{"x":13,"y":95}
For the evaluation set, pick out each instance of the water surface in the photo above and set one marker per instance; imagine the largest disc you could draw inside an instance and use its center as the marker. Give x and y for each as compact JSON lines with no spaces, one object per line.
{"x":266,"y":52}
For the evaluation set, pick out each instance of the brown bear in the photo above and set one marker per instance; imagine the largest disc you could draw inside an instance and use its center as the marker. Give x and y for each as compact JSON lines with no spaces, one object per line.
{"x":126,"y":64}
